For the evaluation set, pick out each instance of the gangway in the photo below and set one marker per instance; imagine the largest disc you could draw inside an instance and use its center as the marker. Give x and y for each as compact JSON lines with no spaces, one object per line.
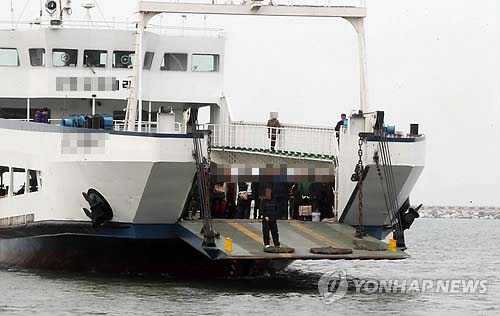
{"x":246,"y":237}
{"x":250,"y":143}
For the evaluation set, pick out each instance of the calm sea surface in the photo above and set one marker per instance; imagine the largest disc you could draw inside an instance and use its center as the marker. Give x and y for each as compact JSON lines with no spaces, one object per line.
{"x":440,"y":249}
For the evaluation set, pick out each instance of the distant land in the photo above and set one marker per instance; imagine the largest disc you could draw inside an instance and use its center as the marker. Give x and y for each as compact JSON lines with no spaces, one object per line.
{"x":460,"y":212}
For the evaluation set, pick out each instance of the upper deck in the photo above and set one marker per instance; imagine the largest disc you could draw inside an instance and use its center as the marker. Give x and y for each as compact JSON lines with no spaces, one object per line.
{"x":75,"y":62}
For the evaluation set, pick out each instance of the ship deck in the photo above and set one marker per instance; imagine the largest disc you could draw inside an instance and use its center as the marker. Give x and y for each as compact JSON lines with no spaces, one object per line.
{"x":246,"y":236}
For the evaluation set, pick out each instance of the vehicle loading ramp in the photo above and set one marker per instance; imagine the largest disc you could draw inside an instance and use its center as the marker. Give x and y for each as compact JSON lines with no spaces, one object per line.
{"x":246,"y":236}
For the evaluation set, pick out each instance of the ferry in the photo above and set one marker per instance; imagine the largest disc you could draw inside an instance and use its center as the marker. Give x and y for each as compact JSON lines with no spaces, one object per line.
{"x":104,"y":186}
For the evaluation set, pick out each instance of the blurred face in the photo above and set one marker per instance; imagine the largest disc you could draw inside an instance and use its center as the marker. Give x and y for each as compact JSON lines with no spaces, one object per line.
{"x":45,"y":113}
{"x":343,"y":117}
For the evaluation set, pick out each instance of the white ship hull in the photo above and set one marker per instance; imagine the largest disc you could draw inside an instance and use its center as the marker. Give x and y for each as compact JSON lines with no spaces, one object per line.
{"x":145,"y":178}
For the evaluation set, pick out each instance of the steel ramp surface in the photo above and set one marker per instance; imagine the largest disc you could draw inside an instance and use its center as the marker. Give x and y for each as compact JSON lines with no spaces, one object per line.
{"x":247,"y":241}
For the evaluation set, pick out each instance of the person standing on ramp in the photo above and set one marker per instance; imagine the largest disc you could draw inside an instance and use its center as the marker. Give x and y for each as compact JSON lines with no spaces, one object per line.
{"x":270,"y":213}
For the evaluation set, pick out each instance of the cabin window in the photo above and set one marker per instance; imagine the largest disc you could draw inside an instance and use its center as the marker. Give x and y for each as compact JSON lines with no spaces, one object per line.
{"x":174,"y":62}
{"x":35,"y":180}
{"x":37,"y":57}
{"x":13,"y":181}
{"x":148,"y":60}
{"x":9,"y":57}
{"x":4,"y":181}
{"x":205,"y":63}
{"x":122,"y":59}
{"x":18,"y":181}
{"x":62,"y":57}
{"x":95,"y":58}
{"x":13,"y":113}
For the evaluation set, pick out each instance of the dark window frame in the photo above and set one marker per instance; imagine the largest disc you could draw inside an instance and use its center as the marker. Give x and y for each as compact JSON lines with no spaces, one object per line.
{"x":216,"y":62}
{"x":17,"y":55}
{"x":167,"y":67}
{"x":43,"y":57}
{"x":66,"y":50}
{"x":119,"y":64}
{"x":148,"y":62}
{"x":99,"y":51}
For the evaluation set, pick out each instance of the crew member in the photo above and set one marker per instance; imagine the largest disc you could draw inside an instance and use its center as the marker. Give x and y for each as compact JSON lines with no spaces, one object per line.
{"x":256,"y":198}
{"x":273,"y":130}
{"x":269,"y":209}
{"x":42,"y":116}
{"x":340,"y":123}
{"x":280,"y":195}
{"x":243,"y":207}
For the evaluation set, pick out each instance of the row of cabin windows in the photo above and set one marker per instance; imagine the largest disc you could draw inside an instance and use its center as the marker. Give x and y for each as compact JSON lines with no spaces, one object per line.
{"x":62,"y":57}
{"x":18,"y":181}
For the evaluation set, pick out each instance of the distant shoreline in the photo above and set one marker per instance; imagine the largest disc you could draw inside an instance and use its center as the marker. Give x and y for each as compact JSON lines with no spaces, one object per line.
{"x":463,"y":212}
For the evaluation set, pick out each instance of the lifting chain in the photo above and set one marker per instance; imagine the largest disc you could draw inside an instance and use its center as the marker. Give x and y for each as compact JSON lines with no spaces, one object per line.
{"x":376,"y":158}
{"x":360,"y":232}
{"x":209,"y":147}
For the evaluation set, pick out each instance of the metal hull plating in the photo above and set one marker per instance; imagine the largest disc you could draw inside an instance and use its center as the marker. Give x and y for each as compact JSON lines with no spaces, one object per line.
{"x":118,"y":248}
{"x":376,"y":218}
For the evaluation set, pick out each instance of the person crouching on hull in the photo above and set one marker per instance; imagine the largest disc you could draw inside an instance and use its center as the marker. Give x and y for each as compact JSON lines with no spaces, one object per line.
{"x":270,"y":213}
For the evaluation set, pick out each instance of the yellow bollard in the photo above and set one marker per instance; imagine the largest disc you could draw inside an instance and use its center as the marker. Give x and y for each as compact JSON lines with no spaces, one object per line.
{"x":229,"y":245}
{"x":392,"y":245}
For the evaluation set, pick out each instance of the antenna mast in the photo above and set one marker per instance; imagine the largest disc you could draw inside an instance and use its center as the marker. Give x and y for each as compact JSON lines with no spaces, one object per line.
{"x":11,"y":14}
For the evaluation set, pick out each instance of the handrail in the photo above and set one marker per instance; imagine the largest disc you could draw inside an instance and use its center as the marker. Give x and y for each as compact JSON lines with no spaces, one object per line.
{"x":110,"y":25}
{"x":291,"y":3}
{"x":250,"y":123}
{"x":282,"y":139}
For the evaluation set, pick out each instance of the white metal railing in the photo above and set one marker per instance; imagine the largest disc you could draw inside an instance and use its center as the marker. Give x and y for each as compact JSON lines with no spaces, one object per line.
{"x":319,"y":3}
{"x":305,"y":140}
{"x":149,"y":127}
{"x":114,"y":25}
{"x":119,"y":125}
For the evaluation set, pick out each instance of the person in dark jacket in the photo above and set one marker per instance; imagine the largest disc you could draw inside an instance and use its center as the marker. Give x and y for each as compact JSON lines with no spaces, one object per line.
{"x":340,"y":123}
{"x":243,"y":207}
{"x":315,"y":195}
{"x":231,"y":199}
{"x":295,"y":201}
{"x":273,"y":129}
{"x":270,"y":214}
{"x":256,"y":198}
{"x":42,"y":116}
{"x":280,"y":195}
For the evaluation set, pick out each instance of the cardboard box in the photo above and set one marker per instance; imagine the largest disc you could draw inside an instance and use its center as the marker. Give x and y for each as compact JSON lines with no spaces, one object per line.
{"x":305,"y":210}
{"x":267,"y":194}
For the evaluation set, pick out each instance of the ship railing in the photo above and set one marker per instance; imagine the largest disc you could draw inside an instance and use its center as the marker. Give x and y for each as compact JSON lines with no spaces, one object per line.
{"x":115,"y":25}
{"x":297,"y":140}
{"x":119,"y":125}
{"x":146,"y":127}
{"x":317,"y":3}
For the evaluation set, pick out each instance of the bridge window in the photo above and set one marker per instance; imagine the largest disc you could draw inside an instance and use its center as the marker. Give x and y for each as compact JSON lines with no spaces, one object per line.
{"x":37,"y":57}
{"x":62,"y":57}
{"x":9,"y":57}
{"x":95,"y":58}
{"x":205,"y":63}
{"x":122,"y":59}
{"x":148,"y":60}
{"x":174,"y":62}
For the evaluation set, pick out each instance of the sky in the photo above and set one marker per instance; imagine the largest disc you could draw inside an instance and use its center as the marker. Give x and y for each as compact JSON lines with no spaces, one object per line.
{"x":432,"y":62}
